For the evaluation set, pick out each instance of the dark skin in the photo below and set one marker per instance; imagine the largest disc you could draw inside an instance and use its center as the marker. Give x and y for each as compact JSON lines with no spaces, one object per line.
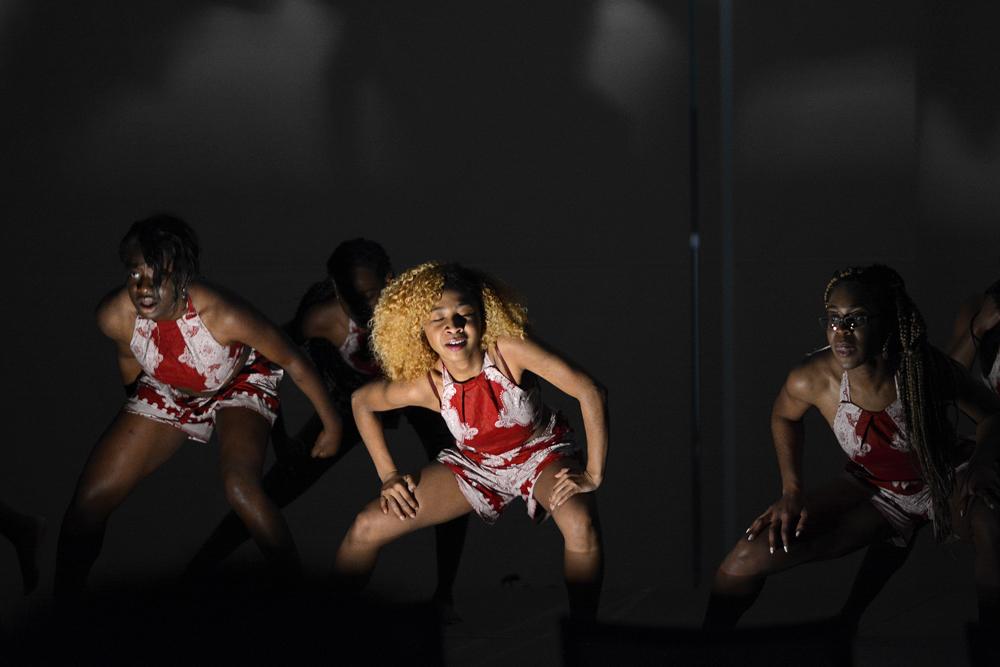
{"x":978,"y":316}
{"x":837,"y":518}
{"x":408,"y":502}
{"x":330,"y":320}
{"x":134,"y":446}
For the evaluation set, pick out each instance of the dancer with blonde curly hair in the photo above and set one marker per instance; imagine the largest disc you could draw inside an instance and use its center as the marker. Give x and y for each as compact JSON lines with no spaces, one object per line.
{"x":454,"y":340}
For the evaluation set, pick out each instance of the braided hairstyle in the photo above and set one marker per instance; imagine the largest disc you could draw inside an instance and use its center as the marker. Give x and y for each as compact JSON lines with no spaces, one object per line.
{"x":168,"y":245}
{"x":920,"y":371}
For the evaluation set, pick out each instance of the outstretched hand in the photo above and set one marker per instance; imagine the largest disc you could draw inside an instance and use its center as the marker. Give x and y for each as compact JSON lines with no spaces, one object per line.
{"x":397,"y":496}
{"x":783,"y":519}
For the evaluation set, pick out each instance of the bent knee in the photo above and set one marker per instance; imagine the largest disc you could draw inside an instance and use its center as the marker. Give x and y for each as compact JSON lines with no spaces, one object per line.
{"x":747,"y":559}
{"x":243,"y":490}
{"x":579,"y":528}
{"x":368,"y":527}
{"x":96,"y":501}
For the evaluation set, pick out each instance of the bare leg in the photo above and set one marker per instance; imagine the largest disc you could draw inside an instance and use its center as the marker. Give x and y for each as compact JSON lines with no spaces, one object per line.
{"x":449,"y":536}
{"x":243,"y":444}
{"x":292,"y":474}
{"x":981,"y":526}
{"x":882,"y":560}
{"x":129,"y":450}
{"x":583,"y":555}
{"x":842,"y":520}
{"x":25,"y":532}
{"x":439,"y":500}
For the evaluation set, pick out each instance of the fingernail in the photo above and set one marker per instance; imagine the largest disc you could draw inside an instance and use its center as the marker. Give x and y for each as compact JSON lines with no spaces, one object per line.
{"x":749,"y":538}
{"x":772,"y":551}
{"x":748,"y":531}
{"x":786,"y":549}
{"x":797,"y":533}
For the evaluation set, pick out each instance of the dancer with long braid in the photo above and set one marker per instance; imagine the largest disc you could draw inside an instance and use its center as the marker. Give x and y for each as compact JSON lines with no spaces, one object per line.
{"x":976,"y":338}
{"x":885,"y":393}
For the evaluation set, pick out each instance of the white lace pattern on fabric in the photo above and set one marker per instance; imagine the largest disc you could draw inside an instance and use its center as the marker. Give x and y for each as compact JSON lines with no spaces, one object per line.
{"x":518,"y":407}
{"x":462,"y":431}
{"x":144,"y":347}
{"x":846,"y":421}
{"x":203,"y":353}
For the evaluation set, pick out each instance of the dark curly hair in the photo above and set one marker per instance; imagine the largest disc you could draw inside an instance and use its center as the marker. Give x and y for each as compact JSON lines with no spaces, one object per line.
{"x":168,"y":245}
{"x":351,"y":255}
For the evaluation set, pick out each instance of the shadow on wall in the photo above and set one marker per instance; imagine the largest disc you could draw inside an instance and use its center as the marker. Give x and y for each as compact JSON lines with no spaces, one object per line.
{"x":473,"y":113}
{"x":59,"y":60}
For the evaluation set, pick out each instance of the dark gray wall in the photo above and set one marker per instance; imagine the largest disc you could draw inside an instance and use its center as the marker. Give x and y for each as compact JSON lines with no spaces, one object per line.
{"x":545,"y":142}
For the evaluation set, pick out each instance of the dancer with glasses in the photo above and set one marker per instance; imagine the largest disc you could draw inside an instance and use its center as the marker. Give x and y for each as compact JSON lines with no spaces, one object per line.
{"x":885,"y":392}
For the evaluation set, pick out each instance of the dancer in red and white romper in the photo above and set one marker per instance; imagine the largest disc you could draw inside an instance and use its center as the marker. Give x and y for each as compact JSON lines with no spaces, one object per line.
{"x":974,"y":344}
{"x":326,"y":325}
{"x":192,"y":358}
{"x":183,"y":353}
{"x":885,"y":393}
{"x":504,"y":438}
{"x":437,"y":333}
{"x":881,"y":460}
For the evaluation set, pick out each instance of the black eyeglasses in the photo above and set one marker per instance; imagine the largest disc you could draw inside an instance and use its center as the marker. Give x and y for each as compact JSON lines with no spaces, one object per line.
{"x":845,"y":323}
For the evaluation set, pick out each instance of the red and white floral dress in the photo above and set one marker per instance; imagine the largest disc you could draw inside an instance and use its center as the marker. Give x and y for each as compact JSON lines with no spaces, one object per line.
{"x":188,"y":375}
{"x":504,"y":438}
{"x":881,"y":458}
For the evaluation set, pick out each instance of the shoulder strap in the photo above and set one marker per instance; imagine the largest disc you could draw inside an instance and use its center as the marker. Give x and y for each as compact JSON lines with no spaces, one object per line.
{"x":430,"y":379}
{"x":503,"y":368}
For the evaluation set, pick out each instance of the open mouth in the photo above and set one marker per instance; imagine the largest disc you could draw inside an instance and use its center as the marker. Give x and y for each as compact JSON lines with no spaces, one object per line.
{"x":455,"y":343}
{"x":147,"y":303}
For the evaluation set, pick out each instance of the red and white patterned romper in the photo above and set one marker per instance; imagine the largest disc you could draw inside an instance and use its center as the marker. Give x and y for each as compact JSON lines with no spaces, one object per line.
{"x":188,"y":375}
{"x":504,"y":437}
{"x":881,"y":458}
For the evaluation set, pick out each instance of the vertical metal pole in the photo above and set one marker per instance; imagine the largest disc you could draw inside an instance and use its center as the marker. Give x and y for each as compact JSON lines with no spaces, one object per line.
{"x":695,"y":248}
{"x":728,"y":272}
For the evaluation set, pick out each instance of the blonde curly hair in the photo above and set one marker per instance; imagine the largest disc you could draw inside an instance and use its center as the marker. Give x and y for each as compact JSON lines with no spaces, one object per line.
{"x":397,"y":328}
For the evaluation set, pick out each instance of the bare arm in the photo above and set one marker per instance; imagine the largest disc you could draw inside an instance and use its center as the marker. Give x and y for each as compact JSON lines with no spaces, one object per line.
{"x":974,"y":320}
{"x":983,"y":407}
{"x":233,"y":321}
{"x":527,"y":355}
{"x":381,"y":396}
{"x":795,"y":398}
{"x":788,"y":431}
{"x":115,"y":319}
